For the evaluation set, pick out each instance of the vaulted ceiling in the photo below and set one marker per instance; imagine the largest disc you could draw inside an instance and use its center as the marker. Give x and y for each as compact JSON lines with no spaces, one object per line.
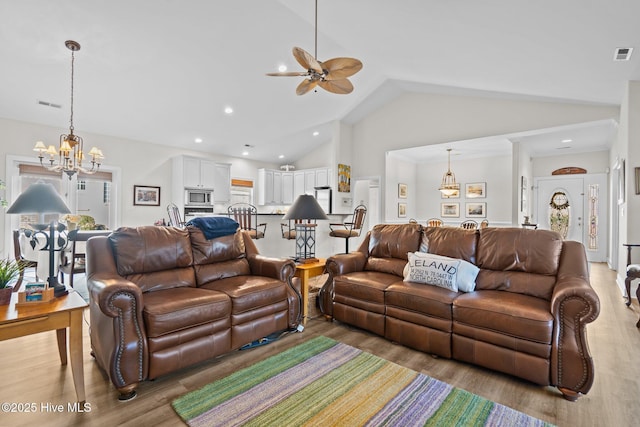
{"x":164,"y":71}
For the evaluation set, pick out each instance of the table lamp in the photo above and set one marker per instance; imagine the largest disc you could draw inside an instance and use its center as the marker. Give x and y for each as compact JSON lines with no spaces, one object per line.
{"x":42,"y":198}
{"x":306,"y":207}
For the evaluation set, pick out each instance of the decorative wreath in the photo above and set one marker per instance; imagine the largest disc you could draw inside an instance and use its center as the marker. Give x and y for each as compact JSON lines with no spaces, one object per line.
{"x":554,"y":205}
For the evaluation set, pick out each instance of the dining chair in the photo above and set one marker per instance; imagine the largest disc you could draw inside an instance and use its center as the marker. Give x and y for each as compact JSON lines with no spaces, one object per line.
{"x":72,"y":260}
{"x":434,"y":222}
{"x":175,"y":219}
{"x":246,"y":216}
{"x":21,"y":260}
{"x":469,"y":224}
{"x":349,"y":229}
{"x":289,"y":228}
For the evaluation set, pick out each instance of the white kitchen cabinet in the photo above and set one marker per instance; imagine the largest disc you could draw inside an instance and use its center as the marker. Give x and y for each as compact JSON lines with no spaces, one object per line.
{"x":287,"y":188}
{"x":298,"y":184}
{"x":192,"y":172}
{"x":222,"y":182}
{"x":198,"y":173}
{"x":322,"y":177}
{"x":309,"y":181}
{"x":283,"y":188}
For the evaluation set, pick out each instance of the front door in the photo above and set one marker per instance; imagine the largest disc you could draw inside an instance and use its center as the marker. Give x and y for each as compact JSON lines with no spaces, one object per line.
{"x":575,"y":207}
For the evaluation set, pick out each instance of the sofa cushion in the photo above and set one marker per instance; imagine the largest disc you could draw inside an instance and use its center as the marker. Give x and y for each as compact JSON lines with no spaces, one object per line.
{"x":250,"y":292}
{"x":150,"y":248}
{"x":176,"y":309}
{"x":411,"y":297}
{"x":515,"y":315}
{"x":449,"y":273}
{"x":519,"y":260}
{"x":394,"y":240}
{"x":453,"y":242}
{"x":363,"y":286}
{"x":224,"y":248}
{"x":519,"y":249}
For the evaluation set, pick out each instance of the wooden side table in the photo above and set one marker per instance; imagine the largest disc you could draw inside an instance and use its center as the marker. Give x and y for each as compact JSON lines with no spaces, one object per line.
{"x":60,"y":314}
{"x":305,"y":272}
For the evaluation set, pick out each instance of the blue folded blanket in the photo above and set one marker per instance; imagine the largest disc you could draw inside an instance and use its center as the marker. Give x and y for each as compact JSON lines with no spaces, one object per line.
{"x":215,"y":226}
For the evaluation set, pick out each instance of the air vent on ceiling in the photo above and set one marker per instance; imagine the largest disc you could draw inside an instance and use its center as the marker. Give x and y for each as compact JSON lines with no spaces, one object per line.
{"x":623,"y":54}
{"x":49,"y":104}
{"x":562,"y":148}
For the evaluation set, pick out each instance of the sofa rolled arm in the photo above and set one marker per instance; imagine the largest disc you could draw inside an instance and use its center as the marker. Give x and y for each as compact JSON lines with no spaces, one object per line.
{"x":335,"y":266}
{"x":345,"y":263}
{"x":574,"y":304}
{"x":277,"y":268}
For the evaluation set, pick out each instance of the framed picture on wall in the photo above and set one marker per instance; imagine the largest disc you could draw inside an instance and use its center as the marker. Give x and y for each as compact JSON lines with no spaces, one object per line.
{"x":476,"y":190}
{"x":402,"y":191}
{"x":450,"y":210}
{"x":144,"y":195}
{"x":402,"y":210}
{"x":476,"y":210}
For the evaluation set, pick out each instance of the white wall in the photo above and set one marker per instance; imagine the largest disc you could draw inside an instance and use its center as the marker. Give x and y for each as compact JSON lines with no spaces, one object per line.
{"x":595,"y":162}
{"x":494,"y":171}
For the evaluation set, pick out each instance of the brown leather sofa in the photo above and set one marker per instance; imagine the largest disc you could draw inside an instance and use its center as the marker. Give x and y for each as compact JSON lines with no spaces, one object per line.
{"x":526,"y":317}
{"x":163,"y":298}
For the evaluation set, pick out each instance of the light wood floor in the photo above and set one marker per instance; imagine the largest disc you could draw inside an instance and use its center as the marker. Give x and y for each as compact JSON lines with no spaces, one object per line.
{"x":31,"y":373}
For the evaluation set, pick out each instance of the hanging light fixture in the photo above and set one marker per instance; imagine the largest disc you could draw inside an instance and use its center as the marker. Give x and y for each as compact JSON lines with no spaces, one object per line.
{"x":70,"y":151}
{"x":449,"y":186}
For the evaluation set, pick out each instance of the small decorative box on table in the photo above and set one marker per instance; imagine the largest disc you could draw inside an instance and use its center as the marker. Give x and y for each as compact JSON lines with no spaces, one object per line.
{"x":35,"y":294}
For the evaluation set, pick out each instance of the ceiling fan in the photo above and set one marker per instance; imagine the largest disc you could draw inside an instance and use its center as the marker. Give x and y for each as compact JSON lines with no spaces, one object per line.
{"x":331,"y":75}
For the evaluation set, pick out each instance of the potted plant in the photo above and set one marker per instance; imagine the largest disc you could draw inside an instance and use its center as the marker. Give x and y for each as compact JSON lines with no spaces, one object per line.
{"x":9,"y":270}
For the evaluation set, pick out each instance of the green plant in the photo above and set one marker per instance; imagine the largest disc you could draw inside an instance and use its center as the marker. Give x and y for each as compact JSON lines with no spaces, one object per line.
{"x":9,"y":270}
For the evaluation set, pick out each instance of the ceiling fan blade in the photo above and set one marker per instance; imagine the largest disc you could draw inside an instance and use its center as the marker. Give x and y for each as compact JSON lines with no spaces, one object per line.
{"x":341,"y":68}
{"x":306,"y":86}
{"x":341,"y":87}
{"x":307,"y":60}
{"x":289,"y":73}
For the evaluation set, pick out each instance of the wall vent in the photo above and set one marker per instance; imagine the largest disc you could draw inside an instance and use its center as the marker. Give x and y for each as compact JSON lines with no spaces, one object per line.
{"x":49,"y":104}
{"x":623,"y":54}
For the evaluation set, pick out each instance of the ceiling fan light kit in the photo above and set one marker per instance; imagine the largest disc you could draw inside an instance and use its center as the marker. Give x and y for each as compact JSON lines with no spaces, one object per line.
{"x":331,"y":75}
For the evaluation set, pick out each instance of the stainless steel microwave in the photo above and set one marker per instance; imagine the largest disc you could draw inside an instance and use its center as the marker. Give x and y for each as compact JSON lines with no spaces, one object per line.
{"x":198,"y":197}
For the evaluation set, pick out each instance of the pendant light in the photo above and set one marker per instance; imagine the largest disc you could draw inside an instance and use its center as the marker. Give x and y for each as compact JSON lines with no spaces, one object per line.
{"x":449,"y":186}
{"x":70,"y":151}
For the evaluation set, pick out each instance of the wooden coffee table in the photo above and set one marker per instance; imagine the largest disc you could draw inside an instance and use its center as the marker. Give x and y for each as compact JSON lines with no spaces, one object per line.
{"x":60,"y":314}
{"x":305,"y":272}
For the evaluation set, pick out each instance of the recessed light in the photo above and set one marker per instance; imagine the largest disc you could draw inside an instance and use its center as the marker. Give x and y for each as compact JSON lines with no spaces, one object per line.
{"x":281,"y":156}
{"x":282,"y":68}
{"x":316,"y":133}
{"x":228,"y":110}
{"x":566,"y":141}
{"x":198,"y":140}
{"x":245,"y":153}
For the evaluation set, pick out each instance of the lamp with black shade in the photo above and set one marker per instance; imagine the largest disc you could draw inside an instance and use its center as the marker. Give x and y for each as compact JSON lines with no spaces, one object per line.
{"x":306,"y":207}
{"x":42,"y":198}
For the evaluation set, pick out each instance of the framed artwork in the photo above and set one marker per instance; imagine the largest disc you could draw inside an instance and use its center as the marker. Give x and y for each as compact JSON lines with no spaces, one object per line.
{"x":402,"y":210}
{"x":476,"y":210}
{"x":402,"y":191}
{"x":523,"y":194}
{"x":144,"y":195}
{"x":344,"y":178}
{"x":476,"y":190}
{"x":455,"y":195}
{"x":450,"y":210}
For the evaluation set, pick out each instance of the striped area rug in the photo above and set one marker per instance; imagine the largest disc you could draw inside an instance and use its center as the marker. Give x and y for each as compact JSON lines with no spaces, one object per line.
{"x":326,"y":383}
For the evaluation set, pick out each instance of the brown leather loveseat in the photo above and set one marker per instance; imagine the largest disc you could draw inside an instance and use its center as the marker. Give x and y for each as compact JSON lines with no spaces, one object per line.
{"x":163,"y":298}
{"x":526,"y":317}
